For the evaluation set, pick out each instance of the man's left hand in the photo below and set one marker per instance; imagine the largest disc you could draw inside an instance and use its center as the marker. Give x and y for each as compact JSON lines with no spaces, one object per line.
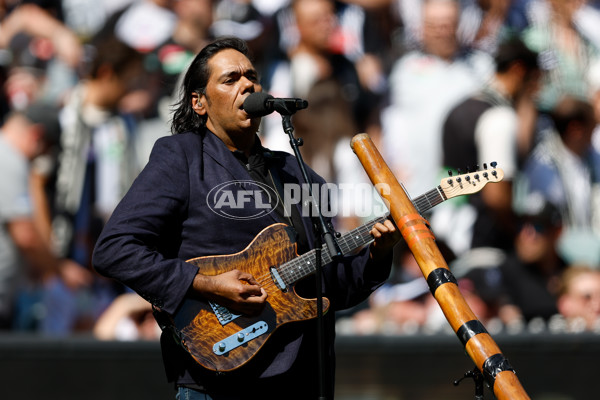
{"x":386,"y":236}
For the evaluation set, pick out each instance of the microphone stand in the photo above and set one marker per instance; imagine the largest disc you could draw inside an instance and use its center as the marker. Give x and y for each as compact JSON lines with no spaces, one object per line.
{"x":322,"y":232}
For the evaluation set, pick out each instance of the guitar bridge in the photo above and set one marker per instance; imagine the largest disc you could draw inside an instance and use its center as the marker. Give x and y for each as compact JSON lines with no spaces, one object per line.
{"x":222,"y":313}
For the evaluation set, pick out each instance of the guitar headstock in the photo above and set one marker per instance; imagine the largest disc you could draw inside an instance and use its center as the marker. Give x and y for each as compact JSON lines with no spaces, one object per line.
{"x":471,"y":182}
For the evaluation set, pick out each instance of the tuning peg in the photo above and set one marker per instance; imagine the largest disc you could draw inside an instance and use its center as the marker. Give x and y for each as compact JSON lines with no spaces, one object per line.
{"x":484,"y":166}
{"x":476,"y":167}
{"x":459,"y":171}
{"x":449,"y":172}
{"x":493,"y":164}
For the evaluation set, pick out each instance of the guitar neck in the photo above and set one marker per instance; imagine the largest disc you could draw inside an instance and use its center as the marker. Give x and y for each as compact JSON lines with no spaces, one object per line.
{"x":306,"y":264}
{"x":430,"y":199}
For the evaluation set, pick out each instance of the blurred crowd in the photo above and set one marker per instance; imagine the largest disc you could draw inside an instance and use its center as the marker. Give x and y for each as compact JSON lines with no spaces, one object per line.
{"x":504,"y":94}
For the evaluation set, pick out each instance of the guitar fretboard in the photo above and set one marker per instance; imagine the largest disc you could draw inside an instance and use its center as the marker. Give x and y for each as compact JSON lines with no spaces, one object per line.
{"x":429,"y":200}
{"x":306,"y":264}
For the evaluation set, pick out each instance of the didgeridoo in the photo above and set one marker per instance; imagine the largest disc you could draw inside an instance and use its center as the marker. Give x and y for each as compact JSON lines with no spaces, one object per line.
{"x":479,"y":345}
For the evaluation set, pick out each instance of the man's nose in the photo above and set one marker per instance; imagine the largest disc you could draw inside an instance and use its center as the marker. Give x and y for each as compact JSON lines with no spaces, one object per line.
{"x":250,"y":86}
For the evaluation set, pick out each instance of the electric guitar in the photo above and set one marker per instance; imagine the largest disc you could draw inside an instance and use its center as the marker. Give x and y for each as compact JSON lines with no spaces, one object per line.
{"x":221,"y":340}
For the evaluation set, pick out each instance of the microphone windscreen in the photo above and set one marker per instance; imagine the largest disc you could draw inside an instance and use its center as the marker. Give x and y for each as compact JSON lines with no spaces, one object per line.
{"x":256,"y":104}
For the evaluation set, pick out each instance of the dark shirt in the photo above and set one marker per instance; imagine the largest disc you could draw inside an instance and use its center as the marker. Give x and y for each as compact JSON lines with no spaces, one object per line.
{"x":459,"y":151}
{"x":529,"y":289}
{"x":262,"y":165}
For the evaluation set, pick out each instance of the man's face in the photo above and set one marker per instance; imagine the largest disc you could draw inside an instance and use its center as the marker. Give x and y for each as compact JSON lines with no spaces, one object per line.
{"x":232,"y":79}
{"x":534,"y":241}
{"x":316,"y":22}
{"x":582,"y":298}
{"x":440,"y":22}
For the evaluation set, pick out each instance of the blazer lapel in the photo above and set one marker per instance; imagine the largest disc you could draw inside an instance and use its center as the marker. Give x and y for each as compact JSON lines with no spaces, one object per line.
{"x":218,"y":151}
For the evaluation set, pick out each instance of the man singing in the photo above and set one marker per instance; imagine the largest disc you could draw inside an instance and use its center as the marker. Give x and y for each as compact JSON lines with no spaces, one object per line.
{"x":167,"y":218}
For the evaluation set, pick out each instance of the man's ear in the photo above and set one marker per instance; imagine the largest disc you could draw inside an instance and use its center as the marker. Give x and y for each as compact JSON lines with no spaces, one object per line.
{"x":198,"y":103}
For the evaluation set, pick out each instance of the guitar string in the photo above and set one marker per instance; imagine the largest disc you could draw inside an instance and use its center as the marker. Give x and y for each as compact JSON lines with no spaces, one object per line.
{"x":425,"y":201}
{"x":270,"y":286}
{"x":301,"y":271}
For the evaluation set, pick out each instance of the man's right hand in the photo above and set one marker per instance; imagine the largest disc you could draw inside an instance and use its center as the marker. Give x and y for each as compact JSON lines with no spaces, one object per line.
{"x":236,"y":290}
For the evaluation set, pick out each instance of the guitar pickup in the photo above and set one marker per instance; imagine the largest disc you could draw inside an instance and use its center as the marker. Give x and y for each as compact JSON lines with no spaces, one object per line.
{"x":240,"y":338}
{"x":277,"y":279}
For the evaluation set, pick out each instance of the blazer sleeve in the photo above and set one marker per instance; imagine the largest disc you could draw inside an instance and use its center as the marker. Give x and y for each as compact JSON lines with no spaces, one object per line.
{"x":140,"y":242}
{"x":352,"y":279}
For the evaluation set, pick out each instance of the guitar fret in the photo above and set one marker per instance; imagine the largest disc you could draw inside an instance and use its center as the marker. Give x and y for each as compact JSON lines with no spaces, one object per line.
{"x":436,"y":196}
{"x":427,"y":201}
{"x":297,"y":269}
{"x":442,"y":195}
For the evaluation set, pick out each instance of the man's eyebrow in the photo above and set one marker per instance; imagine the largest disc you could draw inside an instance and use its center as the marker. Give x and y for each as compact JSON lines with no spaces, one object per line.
{"x":237,"y":72}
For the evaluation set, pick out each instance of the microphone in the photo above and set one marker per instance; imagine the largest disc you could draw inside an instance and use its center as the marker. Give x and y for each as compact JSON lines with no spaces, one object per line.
{"x":259,"y":104}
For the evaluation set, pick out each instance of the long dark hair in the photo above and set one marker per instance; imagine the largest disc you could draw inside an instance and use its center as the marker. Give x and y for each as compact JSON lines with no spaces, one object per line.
{"x":185,"y":119}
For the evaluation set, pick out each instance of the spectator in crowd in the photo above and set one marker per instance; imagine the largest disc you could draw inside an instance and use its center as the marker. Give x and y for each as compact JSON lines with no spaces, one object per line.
{"x":553,"y":31}
{"x":242,"y":19}
{"x":96,"y":166}
{"x":24,"y":252}
{"x":402,"y":305}
{"x":183,"y":28}
{"x":483,"y":290}
{"x":34,"y":21}
{"x":42,"y":55}
{"x":143,"y":26}
{"x":486,"y":128}
{"x":481,"y":283}
{"x":315,"y":71}
{"x":483,"y":24}
{"x":565,"y":169}
{"x":129,"y":317}
{"x":424,"y":84}
{"x":579,"y":298}
{"x":531,"y":273}
{"x":37,"y":23}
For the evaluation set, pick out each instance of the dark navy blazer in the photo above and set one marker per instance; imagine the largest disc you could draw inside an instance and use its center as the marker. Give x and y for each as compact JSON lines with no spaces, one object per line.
{"x":164,"y":219}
